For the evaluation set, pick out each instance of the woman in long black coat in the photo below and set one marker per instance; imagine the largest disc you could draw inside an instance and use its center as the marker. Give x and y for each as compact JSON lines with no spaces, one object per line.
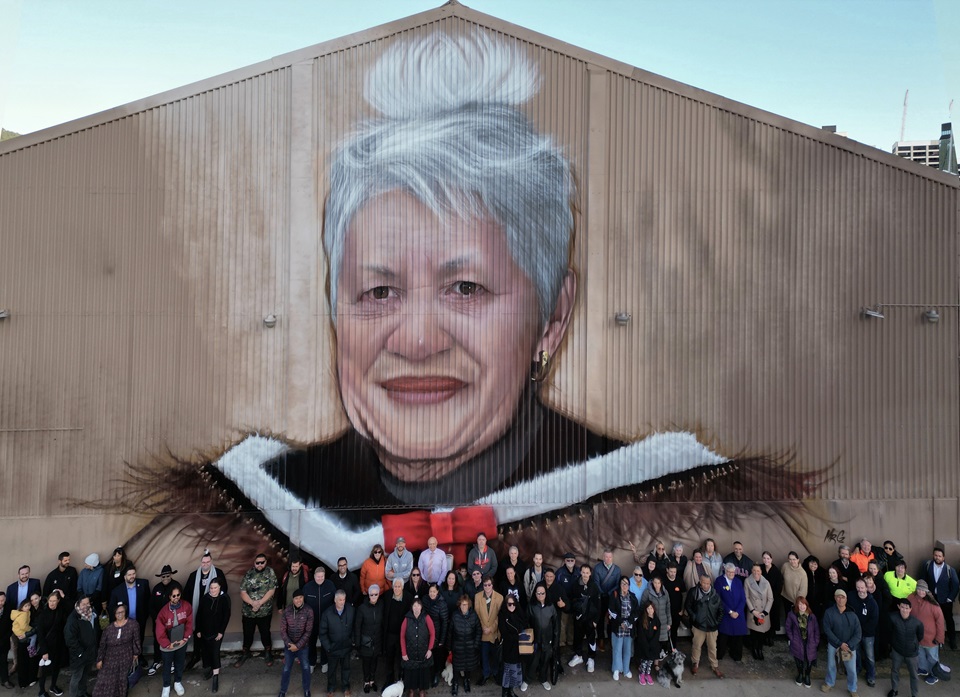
{"x":511,"y":622}
{"x":436,"y":607}
{"x":213,"y":615}
{"x":465,"y":634}
{"x":51,"y":646}
{"x":368,"y":635}
{"x":816,"y":581}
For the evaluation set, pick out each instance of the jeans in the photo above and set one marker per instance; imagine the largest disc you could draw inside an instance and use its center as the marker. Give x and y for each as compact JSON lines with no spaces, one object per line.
{"x":851,"y":667}
{"x":487,"y":652}
{"x":896,"y":660}
{"x":177,"y":659}
{"x":866,"y":658}
{"x":79,"y":677}
{"x":288,"y":658}
{"x":622,"y":648}
{"x":928,"y":658}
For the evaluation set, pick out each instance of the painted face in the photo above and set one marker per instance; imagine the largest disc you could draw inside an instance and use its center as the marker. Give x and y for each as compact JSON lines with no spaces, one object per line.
{"x":436,"y":330}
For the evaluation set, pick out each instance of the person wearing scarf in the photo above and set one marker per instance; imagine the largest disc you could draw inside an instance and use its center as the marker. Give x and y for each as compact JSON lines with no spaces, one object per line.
{"x":198,"y":585}
{"x":80,"y":634}
{"x":803,"y":631}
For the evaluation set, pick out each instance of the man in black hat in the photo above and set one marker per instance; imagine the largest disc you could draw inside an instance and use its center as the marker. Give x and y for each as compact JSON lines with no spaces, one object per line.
{"x":198,"y":585}
{"x":159,"y":597}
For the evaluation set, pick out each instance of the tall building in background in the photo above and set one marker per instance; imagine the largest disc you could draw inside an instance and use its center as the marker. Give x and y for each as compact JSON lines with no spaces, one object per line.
{"x":948,"y":149}
{"x":941,"y":154}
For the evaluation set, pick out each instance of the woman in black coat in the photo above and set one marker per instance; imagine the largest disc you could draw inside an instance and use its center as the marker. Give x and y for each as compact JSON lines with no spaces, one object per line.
{"x":545,"y":623}
{"x":465,"y":634}
{"x":816,"y":581}
{"x":511,"y":622}
{"x":436,"y":607}
{"x":451,"y":592}
{"x":417,"y":638}
{"x":213,"y":615}
{"x":368,"y":635}
{"x":775,"y":579}
{"x":648,"y":641}
{"x":50,"y":623}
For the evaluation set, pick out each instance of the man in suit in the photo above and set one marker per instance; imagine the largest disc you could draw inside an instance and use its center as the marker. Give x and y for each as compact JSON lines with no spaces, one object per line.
{"x":135,"y":594}
{"x":944,"y":585}
{"x":23,"y":587}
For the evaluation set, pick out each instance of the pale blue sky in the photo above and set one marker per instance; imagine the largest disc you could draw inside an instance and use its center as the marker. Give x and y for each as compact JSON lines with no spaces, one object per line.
{"x":843,"y":62}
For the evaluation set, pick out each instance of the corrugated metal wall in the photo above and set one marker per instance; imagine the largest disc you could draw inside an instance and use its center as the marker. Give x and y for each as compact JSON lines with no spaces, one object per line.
{"x":141,"y":254}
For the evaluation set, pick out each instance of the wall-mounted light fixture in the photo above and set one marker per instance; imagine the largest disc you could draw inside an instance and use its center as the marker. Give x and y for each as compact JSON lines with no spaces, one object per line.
{"x":270,"y":321}
{"x":871,"y":313}
{"x":622,"y":318}
{"x":931,"y":316}
{"x":4,"y":314}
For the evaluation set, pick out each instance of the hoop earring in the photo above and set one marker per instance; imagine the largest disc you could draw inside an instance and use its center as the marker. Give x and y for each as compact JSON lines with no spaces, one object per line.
{"x":538,"y":373}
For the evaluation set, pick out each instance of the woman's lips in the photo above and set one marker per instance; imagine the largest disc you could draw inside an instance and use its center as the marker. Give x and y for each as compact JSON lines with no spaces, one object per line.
{"x":425,"y":390}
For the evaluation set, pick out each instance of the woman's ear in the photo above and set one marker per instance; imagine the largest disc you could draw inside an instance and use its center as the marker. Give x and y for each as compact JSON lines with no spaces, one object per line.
{"x":556,"y":327}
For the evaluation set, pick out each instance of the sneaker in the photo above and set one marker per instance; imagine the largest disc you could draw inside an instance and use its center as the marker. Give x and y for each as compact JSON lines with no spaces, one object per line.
{"x":932,"y":680}
{"x":178,"y":688}
{"x":546,"y":686}
{"x":323,"y":668}
{"x":575,"y":661}
{"x":523,"y":687}
{"x":589,"y":665}
{"x":152,"y":670}
{"x":616,"y":675}
{"x":716,"y":671}
{"x":56,"y":691}
{"x":165,"y":692}
{"x":694,"y":667}
{"x":921,"y":673}
{"x":825,"y":687}
{"x":628,"y":675}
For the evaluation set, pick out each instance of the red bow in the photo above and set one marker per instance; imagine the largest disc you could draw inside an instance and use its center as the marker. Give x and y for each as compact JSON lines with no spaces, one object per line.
{"x":453,"y":528}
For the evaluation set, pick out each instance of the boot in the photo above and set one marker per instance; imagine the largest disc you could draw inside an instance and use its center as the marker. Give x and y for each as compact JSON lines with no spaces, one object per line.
{"x":454,"y":686}
{"x":466,"y":683}
{"x":216,"y":683}
{"x":760,"y":653}
{"x":244,"y":657}
{"x":799,"y":679}
{"x":268,"y":654}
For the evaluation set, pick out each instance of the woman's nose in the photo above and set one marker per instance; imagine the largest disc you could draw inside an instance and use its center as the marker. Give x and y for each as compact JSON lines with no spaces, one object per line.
{"x":421,"y":329}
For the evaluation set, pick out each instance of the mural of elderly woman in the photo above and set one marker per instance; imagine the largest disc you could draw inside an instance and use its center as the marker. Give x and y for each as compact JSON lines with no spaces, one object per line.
{"x":448,"y":231}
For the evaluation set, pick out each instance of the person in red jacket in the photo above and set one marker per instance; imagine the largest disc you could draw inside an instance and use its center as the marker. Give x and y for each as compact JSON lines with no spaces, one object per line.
{"x":173,"y":628}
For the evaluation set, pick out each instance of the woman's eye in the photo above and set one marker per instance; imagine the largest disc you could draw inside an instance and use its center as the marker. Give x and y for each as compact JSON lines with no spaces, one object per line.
{"x":466,"y":287}
{"x":380,"y":293}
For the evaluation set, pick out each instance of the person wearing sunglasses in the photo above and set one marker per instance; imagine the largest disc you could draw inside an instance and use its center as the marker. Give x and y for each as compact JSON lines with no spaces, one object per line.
{"x":368,"y":636}
{"x":174,"y":627}
{"x":487,"y":604}
{"x":888,"y":556}
{"x":511,"y":622}
{"x":373,"y":570}
{"x":257,"y":589}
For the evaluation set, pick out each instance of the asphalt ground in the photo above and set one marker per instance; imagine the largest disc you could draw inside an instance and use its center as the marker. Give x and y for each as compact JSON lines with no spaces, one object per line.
{"x":767,"y":678}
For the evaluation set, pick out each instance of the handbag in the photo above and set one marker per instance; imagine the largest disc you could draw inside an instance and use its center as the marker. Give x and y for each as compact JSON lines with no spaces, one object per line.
{"x":133,"y":677}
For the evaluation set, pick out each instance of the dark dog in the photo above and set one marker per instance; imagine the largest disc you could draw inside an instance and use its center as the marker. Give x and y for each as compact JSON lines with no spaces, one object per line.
{"x":671,"y":668}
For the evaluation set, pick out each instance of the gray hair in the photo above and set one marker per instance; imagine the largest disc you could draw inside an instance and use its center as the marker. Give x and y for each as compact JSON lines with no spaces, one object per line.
{"x":375,"y":587}
{"x":452,"y":137}
{"x":340,"y":594}
{"x":677,"y":545}
{"x":729,"y":566}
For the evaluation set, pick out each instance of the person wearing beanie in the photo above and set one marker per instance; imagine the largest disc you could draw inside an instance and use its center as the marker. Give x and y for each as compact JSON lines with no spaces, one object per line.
{"x":90,"y":580}
{"x":296,"y":624}
{"x":926,"y":609}
{"x":898,"y":582}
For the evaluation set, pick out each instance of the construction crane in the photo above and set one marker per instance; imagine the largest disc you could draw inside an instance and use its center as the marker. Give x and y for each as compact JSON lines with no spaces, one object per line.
{"x":903,"y":121}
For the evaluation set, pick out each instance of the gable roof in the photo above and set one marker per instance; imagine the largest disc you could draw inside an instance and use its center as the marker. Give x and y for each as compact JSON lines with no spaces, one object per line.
{"x":454,"y":9}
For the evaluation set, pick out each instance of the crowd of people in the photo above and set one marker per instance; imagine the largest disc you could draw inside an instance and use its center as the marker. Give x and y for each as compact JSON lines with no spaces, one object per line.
{"x":409,"y":616}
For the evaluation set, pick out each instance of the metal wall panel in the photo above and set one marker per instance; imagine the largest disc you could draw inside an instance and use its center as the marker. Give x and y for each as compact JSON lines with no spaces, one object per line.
{"x":142,"y":250}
